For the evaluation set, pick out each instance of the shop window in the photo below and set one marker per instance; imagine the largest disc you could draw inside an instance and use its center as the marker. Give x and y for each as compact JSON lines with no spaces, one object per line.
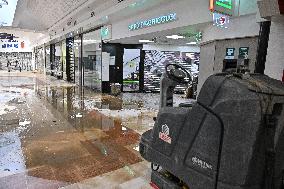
{"x":91,"y":59}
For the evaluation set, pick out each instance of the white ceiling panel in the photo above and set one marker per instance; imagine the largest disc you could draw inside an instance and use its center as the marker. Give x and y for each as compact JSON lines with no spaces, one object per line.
{"x":42,"y":14}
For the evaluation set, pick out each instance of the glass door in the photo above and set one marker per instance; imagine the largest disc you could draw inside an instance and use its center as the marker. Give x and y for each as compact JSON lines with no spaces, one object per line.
{"x":58,"y":61}
{"x":77,"y":64}
{"x":63,"y":59}
{"x":47,"y":60}
{"x":92,"y":60}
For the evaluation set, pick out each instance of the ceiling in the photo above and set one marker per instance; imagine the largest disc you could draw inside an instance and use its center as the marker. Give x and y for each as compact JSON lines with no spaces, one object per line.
{"x":40,"y":15}
{"x":53,"y":15}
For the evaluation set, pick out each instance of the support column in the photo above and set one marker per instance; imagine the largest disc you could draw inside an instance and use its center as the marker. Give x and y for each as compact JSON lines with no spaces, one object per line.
{"x":262,"y":46}
{"x":275,"y":54}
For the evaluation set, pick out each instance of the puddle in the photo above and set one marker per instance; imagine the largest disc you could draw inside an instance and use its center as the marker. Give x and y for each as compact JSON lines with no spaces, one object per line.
{"x":5,"y":141}
{"x":17,"y":101}
{"x":12,"y":158}
{"x":4,"y":109}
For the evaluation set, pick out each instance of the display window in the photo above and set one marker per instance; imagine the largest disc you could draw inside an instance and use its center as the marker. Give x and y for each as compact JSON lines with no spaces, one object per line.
{"x":47,"y":60}
{"x":77,"y":63}
{"x":63,"y":59}
{"x":58,"y":61}
{"x":131,"y":62}
{"x":91,"y":59}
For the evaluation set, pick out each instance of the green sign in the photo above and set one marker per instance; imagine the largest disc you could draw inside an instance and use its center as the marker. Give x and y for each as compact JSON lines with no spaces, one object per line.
{"x":227,"y":4}
{"x":106,"y":32}
{"x":223,"y":6}
{"x":243,"y":52}
{"x":153,"y":21}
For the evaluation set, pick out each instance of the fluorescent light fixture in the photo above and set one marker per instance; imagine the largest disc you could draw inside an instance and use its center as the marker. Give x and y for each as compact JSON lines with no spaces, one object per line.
{"x":175,"y":37}
{"x":192,"y":43}
{"x":145,"y":41}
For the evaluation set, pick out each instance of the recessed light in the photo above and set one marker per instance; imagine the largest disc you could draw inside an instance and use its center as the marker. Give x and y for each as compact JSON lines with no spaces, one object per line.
{"x":145,"y":41}
{"x":175,"y":37}
{"x":192,"y":43}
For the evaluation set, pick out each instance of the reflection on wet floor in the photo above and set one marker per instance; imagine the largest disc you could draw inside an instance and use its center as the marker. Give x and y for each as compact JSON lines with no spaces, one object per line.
{"x":52,"y":136}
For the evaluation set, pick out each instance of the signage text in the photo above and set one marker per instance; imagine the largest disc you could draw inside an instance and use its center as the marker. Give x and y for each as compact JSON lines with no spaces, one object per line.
{"x":153,"y":21}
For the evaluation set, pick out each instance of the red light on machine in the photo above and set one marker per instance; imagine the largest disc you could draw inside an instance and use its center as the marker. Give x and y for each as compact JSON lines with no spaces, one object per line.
{"x":22,"y":44}
{"x":154,"y":186}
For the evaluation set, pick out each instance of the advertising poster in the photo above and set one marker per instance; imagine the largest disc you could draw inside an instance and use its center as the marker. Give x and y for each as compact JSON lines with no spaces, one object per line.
{"x":131,"y":61}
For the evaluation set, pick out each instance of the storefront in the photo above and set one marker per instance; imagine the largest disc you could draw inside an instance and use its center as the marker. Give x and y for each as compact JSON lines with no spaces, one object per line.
{"x":47,"y":60}
{"x":39,"y":59}
{"x":76,"y":59}
{"x":77,"y":49}
{"x":92,"y":60}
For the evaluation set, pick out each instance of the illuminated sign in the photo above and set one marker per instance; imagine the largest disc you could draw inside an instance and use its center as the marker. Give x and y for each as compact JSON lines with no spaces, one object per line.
{"x":106,"y":32}
{"x":198,"y":37}
{"x":153,"y":21}
{"x":221,"y":20}
{"x":243,"y":52}
{"x":222,"y":6}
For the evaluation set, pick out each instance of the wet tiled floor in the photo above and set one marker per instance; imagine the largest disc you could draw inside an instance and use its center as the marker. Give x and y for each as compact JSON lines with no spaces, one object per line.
{"x":54,"y":134}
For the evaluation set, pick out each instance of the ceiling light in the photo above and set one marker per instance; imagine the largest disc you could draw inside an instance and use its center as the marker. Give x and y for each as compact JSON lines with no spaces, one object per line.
{"x":175,"y":37}
{"x":145,"y":41}
{"x":192,"y":43}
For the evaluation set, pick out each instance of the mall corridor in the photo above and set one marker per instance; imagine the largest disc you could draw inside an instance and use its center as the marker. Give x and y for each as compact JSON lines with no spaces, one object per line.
{"x":141,"y":94}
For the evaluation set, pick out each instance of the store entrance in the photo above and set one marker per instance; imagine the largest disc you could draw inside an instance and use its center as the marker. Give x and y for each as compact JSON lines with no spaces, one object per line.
{"x":91,"y":52}
{"x":146,"y":56}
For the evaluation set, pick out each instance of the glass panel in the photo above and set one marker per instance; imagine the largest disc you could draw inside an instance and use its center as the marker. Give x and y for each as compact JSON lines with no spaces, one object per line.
{"x":47,"y":59}
{"x":39,"y":59}
{"x":92,"y":60}
{"x":63,"y":59}
{"x":131,"y":61}
{"x":77,"y":50}
{"x":58,"y":61}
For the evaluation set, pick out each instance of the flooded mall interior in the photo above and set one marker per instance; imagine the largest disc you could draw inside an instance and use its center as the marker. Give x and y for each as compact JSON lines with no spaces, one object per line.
{"x":141,"y":94}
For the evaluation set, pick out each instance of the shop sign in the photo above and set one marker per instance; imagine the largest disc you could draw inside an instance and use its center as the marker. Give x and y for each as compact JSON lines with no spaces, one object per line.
{"x":222,"y":6}
{"x":153,"y":21}
{"x":230,"y":53}
{"x":9,"y":44}
{"x":221,"y":20}
{"x":243,"y":52}
{"x":106,"y":32}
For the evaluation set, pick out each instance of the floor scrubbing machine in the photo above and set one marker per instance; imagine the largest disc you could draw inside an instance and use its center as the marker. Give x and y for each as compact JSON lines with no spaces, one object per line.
{"x":231,"y":138}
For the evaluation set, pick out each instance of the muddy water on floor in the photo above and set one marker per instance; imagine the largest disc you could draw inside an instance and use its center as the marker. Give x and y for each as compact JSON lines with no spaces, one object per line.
{"x":68,"y":139}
